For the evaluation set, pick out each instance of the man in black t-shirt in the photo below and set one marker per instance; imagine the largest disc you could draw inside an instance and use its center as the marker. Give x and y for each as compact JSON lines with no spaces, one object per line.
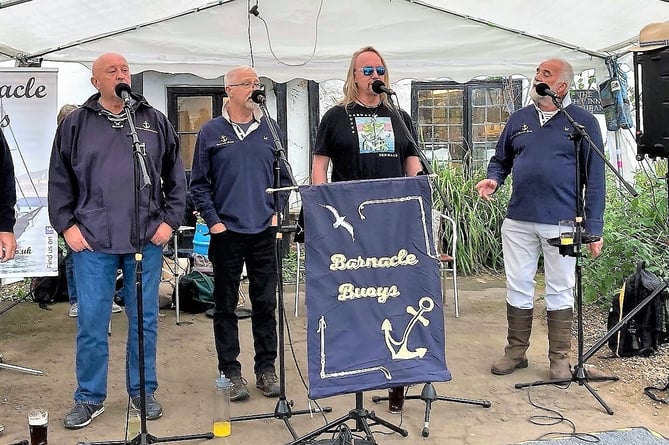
{"x":362,"y":136}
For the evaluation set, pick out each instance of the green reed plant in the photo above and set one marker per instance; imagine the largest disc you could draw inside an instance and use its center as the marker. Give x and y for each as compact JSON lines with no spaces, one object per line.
{"x":479,"y":221}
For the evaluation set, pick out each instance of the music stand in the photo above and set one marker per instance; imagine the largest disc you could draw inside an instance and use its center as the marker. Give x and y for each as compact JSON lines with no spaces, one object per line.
{"x":579,"y":374}
{"x":141,"y":181}
{"x":429,"y":393}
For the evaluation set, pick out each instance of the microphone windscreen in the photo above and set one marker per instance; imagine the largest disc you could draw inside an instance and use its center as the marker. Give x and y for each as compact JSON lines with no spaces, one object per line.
{"x":121,"y":87}
{"x":542,"y":89}
{"x":378,"y":86}
{"x":258,"y":96}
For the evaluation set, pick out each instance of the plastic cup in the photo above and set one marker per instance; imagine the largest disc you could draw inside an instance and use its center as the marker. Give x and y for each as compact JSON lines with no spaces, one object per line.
{"x":38,"y":422}
{"x":566,"y":230}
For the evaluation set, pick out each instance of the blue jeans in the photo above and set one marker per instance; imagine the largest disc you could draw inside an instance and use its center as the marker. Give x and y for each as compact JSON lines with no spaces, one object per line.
{"x":95,"y":277}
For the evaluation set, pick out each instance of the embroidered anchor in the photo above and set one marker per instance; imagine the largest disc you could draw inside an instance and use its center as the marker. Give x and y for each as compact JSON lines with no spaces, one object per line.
{"x":146,"y":125}
{"x":425,"y":304}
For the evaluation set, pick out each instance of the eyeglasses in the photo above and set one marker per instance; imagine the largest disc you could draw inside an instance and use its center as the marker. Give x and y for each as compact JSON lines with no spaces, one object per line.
{"x":255,"y":85}
{"x":369,"y":70}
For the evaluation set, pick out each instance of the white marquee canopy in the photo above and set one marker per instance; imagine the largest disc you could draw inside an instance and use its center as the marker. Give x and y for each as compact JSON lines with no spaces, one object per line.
{"x":314,"y":39}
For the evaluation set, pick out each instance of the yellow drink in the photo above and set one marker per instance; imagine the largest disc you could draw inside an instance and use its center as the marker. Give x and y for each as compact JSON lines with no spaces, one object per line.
{"x":567,"y":241}
{"x":222,"y":429}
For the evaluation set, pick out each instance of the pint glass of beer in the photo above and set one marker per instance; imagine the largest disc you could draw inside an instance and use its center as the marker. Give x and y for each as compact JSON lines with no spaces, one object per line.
{"x":38,"y":421}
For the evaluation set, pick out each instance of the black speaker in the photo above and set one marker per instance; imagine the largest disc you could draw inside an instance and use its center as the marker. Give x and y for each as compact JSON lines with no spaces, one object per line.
{"x":652,"y":70}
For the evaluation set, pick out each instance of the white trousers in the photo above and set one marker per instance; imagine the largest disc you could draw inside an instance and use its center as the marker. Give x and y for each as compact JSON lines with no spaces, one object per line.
{"x":522,"y":242}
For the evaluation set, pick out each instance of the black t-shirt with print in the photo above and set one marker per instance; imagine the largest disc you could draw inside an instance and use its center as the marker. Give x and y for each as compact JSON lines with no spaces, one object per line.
{"x":364,"y":143}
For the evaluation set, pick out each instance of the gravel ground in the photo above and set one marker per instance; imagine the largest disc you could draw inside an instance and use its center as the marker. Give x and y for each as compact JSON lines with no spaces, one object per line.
{"x":15,"y":291}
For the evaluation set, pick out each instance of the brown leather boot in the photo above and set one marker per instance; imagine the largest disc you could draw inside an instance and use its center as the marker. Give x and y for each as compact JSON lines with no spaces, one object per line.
{"x":559,"y":343}
{"x":518,"y":339}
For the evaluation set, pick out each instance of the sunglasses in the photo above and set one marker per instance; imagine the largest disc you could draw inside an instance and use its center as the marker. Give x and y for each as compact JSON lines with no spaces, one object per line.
{"x":369,"y":70}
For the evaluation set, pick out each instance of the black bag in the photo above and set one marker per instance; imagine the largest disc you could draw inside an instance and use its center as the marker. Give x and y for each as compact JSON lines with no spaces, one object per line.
{"x":642,"y":334}
{"x":196,"y":293}
{"x":49,"y":290}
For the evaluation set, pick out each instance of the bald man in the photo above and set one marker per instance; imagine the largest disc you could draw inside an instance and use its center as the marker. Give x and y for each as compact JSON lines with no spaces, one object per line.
{"x":91,"y":203}
{"x":536,"y":149}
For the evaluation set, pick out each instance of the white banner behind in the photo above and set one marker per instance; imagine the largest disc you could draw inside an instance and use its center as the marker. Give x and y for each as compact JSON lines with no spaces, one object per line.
{"x":28,"y":109}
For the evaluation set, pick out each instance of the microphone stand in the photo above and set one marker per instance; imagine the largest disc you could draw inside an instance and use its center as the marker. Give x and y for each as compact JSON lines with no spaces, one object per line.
{"x":427,"y":166}
{"x":142,"y":180}
{"x":282,"y":410}
{"x":580,"y":375}
{"x":428,"y":393}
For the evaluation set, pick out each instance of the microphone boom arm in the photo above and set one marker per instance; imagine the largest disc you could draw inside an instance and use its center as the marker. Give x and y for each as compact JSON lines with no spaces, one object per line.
{"x":139,"y":149}
{"x":427,"y":167}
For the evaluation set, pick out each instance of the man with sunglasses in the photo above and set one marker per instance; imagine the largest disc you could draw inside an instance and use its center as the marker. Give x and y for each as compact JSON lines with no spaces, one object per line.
{"x":361,"y":135}
{"x":232,"y":168}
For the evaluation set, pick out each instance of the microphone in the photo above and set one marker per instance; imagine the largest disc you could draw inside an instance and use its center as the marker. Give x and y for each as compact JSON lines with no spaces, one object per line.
{"x":544,"y":90}
{"x":123,"y":90}
{"x":258,"y":96}
{"x":379,"y":87}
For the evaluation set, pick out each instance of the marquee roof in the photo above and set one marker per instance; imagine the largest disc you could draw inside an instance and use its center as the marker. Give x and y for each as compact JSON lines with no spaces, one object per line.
{"x":314,"y":39}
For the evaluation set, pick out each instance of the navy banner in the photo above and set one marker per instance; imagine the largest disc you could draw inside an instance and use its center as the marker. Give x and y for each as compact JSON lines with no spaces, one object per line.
{"x":373,"y":293}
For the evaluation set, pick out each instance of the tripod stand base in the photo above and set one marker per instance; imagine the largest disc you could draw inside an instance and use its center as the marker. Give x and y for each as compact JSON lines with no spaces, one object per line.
{"x":580,"y":376}
{"x":19,"y":368}
{"x":361,"y":416}
{"x":146,"y":438}
{"x":283,"y":412}
{"x":429,"y":395}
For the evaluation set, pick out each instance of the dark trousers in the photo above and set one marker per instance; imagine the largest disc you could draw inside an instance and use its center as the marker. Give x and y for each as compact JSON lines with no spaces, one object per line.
{"x":228,"y":251}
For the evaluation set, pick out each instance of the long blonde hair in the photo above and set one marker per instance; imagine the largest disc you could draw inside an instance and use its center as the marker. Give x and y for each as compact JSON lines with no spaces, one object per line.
{"x":64,"y":111}
{"x":351,"y":88}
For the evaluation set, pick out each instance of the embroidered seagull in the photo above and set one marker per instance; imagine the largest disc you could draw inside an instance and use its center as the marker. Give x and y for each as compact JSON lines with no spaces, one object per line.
{"x":339,"y":220}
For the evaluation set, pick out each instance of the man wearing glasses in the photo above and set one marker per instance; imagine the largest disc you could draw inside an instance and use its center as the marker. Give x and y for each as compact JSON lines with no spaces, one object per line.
{"x":232,"y":168}
{"x":362,"y":137}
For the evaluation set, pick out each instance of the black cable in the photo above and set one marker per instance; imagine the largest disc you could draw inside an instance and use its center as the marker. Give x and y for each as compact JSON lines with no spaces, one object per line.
{"x":254,"y":11}
{"x":556,"y":419}
{"x":650,"y":392}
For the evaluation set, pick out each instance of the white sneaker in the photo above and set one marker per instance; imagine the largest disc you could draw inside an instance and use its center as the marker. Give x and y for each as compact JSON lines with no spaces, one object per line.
{"x":116,"y":308}
{"x":74,"y":310}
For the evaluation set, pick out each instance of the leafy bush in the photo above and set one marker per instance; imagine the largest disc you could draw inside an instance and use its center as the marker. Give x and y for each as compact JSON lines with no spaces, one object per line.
{"x":635,"y":229}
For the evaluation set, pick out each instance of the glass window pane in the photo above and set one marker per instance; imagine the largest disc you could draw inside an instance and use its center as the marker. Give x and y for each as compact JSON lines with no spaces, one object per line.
{"x":193,"y":112}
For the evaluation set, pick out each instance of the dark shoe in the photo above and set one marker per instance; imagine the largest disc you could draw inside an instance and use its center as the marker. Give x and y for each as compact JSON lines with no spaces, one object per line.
{"x":239,"y":390}
{"x":82,"y":414}
{"x":153,"y":408}
{"x":268,"y":383}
